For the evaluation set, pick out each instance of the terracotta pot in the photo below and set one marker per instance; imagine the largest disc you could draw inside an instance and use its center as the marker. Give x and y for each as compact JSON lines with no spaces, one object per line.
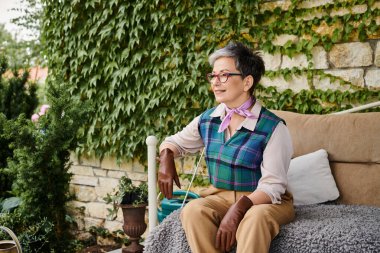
{"x":134,"y":226}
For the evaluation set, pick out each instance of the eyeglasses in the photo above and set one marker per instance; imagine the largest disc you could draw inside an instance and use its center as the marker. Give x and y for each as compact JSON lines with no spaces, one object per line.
{"x":222,"y":77}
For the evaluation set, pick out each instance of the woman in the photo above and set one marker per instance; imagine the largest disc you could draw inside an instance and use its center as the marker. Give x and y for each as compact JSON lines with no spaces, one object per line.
{"x":248,"y":151}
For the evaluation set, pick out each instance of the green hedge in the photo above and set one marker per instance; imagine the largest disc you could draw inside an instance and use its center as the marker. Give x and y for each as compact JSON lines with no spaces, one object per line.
{"x":143,"y":63}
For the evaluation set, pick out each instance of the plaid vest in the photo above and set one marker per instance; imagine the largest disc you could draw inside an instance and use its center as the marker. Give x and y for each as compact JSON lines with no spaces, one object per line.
{"x":235,"y":164}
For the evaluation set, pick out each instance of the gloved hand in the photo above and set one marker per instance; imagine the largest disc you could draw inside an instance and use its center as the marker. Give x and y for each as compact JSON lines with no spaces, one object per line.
{"x":226,"y":235}
{"x":167,"y":173}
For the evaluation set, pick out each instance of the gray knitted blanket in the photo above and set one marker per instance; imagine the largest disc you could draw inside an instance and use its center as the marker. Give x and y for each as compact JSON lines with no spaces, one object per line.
{"x":317,"y":228}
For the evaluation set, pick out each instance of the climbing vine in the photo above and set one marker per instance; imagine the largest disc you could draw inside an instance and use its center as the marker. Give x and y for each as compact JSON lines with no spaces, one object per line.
{"x":143,"y":64}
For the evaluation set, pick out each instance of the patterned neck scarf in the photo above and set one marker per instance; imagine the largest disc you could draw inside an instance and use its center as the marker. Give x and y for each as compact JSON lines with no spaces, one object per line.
{"x":241,"y":110}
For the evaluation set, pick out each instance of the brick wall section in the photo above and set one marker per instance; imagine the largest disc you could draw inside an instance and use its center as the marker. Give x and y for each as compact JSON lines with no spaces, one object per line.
{"x":354,"y":61}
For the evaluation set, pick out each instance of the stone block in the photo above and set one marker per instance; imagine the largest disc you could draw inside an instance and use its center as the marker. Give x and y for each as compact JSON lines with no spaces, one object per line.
{"x":109,"y":163}
{"x":105,"y":241}
{"x":101,"y":192}
{"x":272,"y":62}
{"x":84,"y":180}
{"x":353,"y":76}
{"x":77,"y":208}
{"x":106,"y":185}
{"x":372,"y":78}
{"x":97,"y":210}
{"x":85,"y":193}
{"x":90,"y":161}
{"x":138,"y":167}
{"x":89,"y":222}
{"x":280,"y":40}
{"x":119,"y":216}
{"x":277,"y":82}
{"x":376,"y":5}
{"x":80,"y":222}
{"x":126,"y":166}
{"x":325,"y":29}
{"x":141,"y":177}
{"x":298,"y":61}
{"x":377,"y":54}
{"x":110,"y":182}
{"x":74,"y":158}
{"x":81,"y":170}
{"x":326,"y":84}
{"x":285,"y":4}
{"x":355,"y":54}
{"x":313,"y":3}
{"x":311,"y":15}
{"x":320,"y":58}
{"x":357,"y":9}
{"x":83,"y":236}
{"x":298,"y":83}
{"x":113,"y":226}
{"x":100,"y":172}
{"x":116,"y":174}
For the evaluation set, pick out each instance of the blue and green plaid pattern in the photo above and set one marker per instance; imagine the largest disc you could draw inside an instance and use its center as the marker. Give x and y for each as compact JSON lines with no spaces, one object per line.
{"x":235,"y":164}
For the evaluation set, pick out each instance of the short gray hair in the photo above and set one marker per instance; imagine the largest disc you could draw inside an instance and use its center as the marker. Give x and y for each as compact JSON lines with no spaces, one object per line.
{"x":223,"y":52}
{"x":246,"y":61}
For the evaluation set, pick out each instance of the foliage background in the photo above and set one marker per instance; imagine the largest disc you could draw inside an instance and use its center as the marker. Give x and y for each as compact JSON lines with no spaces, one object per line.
{"x":17,"y":96}
{"x":143,"y":63}
{"x":39,"y":167}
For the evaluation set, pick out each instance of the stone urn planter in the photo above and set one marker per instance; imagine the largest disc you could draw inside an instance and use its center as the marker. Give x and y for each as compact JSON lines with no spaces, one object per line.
{"x":133,"y":201}
{"x":134,"y":226}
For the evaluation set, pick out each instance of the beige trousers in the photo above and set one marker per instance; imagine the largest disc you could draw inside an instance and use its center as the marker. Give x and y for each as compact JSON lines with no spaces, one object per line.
{"x":201,"y":218}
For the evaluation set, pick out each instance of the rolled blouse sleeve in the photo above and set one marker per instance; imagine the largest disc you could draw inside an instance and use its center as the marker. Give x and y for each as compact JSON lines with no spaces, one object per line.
{"x":275,"y":164}
{"x":186,"y":141}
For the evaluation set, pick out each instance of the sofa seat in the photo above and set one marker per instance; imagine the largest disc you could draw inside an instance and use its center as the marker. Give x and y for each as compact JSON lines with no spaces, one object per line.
{"x":319,"y":228}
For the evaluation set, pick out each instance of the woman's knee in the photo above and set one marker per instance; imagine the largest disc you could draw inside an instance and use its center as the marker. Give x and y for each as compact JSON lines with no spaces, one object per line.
{"x":258,"y":213}
{"x":200,"y":210}
{"x":192,"y":209}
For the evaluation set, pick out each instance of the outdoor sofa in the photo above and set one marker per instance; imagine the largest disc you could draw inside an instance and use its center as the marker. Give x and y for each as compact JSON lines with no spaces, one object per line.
{"x":337,"y":209}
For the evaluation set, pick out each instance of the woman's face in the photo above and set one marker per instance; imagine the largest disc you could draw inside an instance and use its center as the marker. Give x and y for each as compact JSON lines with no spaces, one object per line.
{"x":235,"y":91}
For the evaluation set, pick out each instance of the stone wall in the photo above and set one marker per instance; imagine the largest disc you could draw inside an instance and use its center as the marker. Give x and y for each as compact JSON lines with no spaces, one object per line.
{"x":92,"y":180}
{"x":354,"y":62}
{"x":357,"y":62}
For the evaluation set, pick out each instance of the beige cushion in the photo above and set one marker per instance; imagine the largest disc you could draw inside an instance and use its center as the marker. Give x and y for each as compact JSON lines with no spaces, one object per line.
{"x":351,"y":137}
{"x":358,"y":183}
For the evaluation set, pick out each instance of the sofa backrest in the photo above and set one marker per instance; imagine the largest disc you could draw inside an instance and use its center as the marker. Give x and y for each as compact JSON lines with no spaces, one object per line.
{"x":353,"y":144}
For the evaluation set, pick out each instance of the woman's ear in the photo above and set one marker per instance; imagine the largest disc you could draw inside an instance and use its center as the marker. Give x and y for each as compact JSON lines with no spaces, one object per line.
{"x":248,"y":82}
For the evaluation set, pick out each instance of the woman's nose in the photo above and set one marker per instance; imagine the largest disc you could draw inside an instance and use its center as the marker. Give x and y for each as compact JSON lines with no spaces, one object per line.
{"x":216,"y":81}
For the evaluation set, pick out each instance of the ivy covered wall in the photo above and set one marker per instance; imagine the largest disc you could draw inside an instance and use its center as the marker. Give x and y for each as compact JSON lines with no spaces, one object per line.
{"x":143,"y":63}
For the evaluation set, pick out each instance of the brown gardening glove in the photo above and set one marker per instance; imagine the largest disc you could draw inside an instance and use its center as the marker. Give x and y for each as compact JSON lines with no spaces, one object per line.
{"x":226,"y":235}
{"x":167,"y":173}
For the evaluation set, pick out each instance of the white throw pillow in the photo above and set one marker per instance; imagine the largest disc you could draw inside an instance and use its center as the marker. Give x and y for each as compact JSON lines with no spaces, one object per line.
{"x":310,"y":179}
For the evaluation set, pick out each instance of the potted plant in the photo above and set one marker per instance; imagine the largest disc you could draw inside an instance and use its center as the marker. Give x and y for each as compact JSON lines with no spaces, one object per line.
{"x":133,"y":201}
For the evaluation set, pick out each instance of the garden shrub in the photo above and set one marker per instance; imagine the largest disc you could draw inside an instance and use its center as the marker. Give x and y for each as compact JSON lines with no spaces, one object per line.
{"x":17,"y":96}
{"x":40,"y":166}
